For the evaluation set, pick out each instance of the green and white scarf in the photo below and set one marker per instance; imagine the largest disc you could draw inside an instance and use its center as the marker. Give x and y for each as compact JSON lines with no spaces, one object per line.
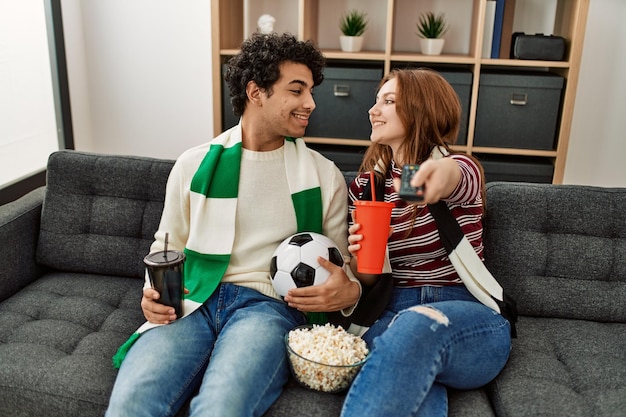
{"x":213,"y":207}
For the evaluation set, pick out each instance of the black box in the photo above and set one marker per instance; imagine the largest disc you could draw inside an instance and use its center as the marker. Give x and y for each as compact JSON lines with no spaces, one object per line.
{"x":538,"y":46}
{"x":342,"y":102}
{"x":523,"y":169}
{"x":518,"y":110}
{"x":461,"y":81}
{"x":347,"y":158}
{"x":228,"y":118}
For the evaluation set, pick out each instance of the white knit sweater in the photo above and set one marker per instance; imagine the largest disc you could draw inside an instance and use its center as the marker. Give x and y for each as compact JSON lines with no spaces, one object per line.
{"x":265,"y":214}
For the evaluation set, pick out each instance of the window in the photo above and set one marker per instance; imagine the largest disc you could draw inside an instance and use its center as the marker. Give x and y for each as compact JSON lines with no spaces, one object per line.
{"x":33,"y":111}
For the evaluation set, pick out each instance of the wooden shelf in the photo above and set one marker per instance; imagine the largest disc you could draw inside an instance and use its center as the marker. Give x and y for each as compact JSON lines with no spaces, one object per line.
{"x":524,"y":63}
{"x":337,"y":141}
{"x":391,"y":40}
{"x":361,"y":56}
{"x":435,"y":59}
{"x":513,"y":151}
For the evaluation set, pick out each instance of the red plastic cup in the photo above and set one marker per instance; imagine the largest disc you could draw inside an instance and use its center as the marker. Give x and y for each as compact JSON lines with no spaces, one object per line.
{"x":375,"y":220}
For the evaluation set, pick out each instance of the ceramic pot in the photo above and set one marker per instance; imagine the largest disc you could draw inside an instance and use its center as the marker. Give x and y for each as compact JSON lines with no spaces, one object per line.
{"x":431,"y":46}
{"x":351,"y":43}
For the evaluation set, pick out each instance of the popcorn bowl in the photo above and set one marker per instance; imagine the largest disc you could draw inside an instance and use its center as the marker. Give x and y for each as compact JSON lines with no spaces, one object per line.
{"x":335,"y":365}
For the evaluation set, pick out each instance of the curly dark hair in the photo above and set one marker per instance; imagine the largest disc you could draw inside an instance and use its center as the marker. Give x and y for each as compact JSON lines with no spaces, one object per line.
{"x":259,"y":61}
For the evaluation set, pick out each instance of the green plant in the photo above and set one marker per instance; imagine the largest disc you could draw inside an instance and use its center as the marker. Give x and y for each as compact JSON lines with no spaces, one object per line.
{"x":431,"y":25}
{"x":353,"y":23}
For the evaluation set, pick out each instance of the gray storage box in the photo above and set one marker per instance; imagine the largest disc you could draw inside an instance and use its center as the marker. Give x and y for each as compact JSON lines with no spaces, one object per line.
{"x":518,"y":110}
{"x":461,"y":81}
{"x":347,"y":158}
{"x":524,"y":169}
{"x":342,"y":101}
{"x":228,"y":118}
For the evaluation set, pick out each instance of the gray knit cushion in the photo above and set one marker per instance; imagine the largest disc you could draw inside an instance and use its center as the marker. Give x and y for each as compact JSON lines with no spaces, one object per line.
{"x":57,"y":337}
{"x":298,"y":401}
{"x":101,"y":212}
{"x":564,"y":368}
{"x":19,"y":230}
{"x":560,"y":250}
{"x":58,"y":334}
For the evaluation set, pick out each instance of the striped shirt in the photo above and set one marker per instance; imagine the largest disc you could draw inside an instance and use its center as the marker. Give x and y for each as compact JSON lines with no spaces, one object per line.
{"x":416,"y":253}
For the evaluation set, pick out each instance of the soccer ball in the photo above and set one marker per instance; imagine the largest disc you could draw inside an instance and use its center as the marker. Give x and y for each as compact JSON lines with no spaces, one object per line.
{"x":294,"y":262}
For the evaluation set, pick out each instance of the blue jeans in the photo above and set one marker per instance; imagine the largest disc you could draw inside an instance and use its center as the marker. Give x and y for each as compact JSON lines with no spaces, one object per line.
{"x":429,"y":338}
{"x":230,"y":351}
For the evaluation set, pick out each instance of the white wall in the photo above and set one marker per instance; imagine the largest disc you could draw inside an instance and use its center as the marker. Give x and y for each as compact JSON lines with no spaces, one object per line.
{"x":598,"y":139}
{"x":28,"y":124}
{"x":141,"y":83}
{"x":140,"y":75}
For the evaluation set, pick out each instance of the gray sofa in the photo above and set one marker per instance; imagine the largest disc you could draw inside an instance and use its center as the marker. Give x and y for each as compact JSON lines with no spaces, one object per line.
{"x":71,"y":278}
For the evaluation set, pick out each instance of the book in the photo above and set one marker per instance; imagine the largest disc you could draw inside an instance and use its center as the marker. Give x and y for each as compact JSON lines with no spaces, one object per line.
{"x":507,"y":29}
{"x":490,"y":14}
{"x":497,"y":29}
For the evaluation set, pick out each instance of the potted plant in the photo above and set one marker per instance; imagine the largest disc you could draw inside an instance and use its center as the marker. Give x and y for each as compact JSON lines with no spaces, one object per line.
{"x":431,"y":28}
{"x":352,"y":26}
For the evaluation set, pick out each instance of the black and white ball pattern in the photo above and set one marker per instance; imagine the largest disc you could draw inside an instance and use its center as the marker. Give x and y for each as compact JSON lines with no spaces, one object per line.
{"x":294,"y":262}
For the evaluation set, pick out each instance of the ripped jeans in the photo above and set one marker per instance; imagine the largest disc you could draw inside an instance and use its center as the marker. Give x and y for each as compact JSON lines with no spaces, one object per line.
{"x":429,"y":338}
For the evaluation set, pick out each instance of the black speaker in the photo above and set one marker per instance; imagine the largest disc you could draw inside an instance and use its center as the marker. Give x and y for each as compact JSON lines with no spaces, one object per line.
{"x":537,"y":46}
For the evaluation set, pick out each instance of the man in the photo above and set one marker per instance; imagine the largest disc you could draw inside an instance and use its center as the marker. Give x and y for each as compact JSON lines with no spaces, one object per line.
{"x":228,"y":205}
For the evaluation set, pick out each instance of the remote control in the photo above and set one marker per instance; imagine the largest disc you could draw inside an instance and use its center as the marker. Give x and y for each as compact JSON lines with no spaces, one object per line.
{"x":408,"y":192}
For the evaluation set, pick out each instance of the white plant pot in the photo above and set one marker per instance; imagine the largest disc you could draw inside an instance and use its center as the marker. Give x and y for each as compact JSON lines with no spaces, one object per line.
{"x":351,"y":43}
{"x":432,"y":46}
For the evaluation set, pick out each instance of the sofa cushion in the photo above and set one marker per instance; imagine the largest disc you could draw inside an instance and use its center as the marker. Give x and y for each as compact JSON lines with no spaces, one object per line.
{"x":560,"y":367}
{"x":559,"y":250}
{"x":100,"y":212}
{"x":298,"y":401}
{"x":57,"y":337}
{"x":19,"y":230}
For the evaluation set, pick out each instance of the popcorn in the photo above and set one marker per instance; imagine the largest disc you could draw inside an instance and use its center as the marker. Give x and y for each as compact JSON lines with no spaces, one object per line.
{"x":325,"y":358}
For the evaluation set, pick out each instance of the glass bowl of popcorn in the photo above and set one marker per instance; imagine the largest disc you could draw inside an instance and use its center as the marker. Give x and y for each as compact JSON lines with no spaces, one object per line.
{"x":325,"y":358}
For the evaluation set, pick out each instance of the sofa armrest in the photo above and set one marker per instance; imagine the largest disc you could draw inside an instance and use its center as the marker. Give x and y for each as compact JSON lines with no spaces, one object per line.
{"x":19,"y":231}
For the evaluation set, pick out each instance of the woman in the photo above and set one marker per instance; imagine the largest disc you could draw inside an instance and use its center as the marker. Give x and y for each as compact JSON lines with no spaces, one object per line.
{"x":433,"y":334}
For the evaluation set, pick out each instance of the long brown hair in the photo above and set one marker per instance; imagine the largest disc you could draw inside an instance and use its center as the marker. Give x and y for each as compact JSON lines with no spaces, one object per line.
{"x":430,"y":112}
